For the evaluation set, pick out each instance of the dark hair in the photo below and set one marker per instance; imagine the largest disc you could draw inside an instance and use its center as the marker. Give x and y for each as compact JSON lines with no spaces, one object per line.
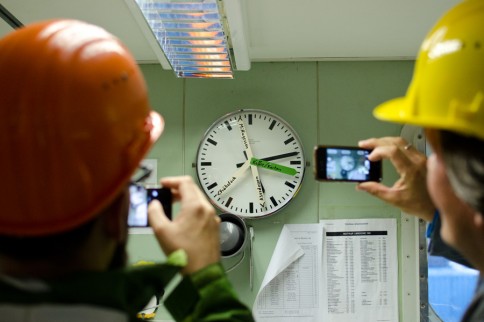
{"x":464,"y":161}
{"x":58,"y":246}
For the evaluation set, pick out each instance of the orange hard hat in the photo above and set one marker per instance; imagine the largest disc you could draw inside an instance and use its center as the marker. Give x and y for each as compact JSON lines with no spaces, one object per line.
{"x":75,"y":123}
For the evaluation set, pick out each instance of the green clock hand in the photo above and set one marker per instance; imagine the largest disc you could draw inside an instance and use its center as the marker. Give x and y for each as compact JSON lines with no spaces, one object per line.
{"x":274,"y":157}
{"x":273,"y":166}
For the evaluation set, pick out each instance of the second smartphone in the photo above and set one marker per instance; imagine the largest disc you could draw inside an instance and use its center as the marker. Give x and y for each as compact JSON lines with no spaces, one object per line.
{"x":140,"y":197}
{"x":344,"y":163}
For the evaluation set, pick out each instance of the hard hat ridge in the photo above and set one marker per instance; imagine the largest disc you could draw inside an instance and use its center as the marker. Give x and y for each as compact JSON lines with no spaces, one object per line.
{"x":74,"y":124}
{"x":448,"y":83}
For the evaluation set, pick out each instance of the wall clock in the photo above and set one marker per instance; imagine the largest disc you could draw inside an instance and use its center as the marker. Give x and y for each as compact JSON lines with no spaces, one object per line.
{"x":250,"y":163}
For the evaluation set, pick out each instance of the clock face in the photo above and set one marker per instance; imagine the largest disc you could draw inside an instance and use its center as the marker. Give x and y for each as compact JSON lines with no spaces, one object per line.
{"x":347,"y":162}
{"x":250,"y":163}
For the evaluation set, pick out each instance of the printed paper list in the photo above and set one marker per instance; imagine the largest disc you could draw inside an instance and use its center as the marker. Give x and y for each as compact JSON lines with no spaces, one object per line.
{"x":293,"y":293}
{"x":356,"y":269}
{"x":338,"y":270}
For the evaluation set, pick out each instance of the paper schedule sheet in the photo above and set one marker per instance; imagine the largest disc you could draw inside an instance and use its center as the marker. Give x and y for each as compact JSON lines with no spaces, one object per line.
{"x":359,"y":270}
{"x":337,"y":270}
{"x":290,"y":289}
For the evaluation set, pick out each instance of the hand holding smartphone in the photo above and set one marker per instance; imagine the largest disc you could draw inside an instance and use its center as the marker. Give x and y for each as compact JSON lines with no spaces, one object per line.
{"x":343,"y":163}
{"x":140,"y":197}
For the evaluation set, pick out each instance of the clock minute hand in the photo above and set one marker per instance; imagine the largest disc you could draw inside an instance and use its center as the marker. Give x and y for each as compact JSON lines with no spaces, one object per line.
{"x":280,"y":156}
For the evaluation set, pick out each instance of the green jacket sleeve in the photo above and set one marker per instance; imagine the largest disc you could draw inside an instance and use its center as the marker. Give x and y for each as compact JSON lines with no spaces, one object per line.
{"x":207,"y":295}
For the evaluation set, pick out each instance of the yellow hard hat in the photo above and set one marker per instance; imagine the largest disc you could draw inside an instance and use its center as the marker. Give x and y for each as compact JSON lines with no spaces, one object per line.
{"x":74,"y":124}
{"x":447,"y":89}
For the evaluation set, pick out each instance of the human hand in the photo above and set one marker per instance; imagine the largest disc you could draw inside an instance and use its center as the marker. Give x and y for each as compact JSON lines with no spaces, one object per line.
{"x":194,"y":229}
{"x":409,"y":192}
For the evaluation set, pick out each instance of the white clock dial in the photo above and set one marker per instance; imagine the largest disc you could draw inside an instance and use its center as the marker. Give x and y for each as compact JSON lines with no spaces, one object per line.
{"x":250,"y":163}
{"x":347,"y":162}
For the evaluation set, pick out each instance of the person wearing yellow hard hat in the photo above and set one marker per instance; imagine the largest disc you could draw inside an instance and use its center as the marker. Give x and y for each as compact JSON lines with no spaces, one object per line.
{"x":446,"y":98}
{"x":75,"y":122}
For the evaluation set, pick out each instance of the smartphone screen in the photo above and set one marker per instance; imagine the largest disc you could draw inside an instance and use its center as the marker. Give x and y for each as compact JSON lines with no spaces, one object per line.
{"x":140,"y":197}
{"x":343,"y":163}
{"x":163,"y":195}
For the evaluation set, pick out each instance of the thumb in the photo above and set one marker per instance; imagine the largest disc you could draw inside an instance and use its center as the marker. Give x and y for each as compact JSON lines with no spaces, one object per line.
{"x":156,"y":214}
{"x":373,"y":188}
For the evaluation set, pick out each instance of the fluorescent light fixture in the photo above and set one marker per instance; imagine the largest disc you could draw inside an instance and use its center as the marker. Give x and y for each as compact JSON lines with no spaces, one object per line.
{"x":199,"y":38}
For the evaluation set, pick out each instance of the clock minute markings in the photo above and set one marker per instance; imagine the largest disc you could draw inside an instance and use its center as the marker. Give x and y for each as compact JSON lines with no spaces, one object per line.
{"x":213,"y":185}
{"x":273,"y":123}
{"x":287,"y":183}
{"x":227,"y":124}
{"x":274,"y":202}
{"x":229,"y":201}
{"x":289,"y":140}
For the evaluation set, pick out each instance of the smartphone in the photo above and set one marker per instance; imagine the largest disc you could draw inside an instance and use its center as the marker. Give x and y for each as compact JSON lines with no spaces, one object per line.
{"x":344,"y":163}
{"x":140,"y":197}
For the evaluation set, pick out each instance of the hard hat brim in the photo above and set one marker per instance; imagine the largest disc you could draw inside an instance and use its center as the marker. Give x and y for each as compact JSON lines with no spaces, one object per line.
{"x":400,"y":110}
{"x":391,"y":110}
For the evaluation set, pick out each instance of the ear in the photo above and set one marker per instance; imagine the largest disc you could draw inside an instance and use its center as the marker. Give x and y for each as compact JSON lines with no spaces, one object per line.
{"x":479,"y":221}
{"x":433,"y":137}
{"x":116,"y":217}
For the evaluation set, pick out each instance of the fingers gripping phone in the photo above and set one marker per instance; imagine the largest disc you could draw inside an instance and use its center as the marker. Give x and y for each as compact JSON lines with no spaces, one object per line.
{"x":140,"y":197}
{"x":343,"y":163}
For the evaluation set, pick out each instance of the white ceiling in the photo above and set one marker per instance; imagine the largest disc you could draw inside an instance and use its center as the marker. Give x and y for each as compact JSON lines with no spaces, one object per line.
{"x":276,"y":30}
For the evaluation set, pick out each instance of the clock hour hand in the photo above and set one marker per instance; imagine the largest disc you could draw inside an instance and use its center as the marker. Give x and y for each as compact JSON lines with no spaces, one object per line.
{"x":255,"y":172}
{"x":273,"y":166}
{"x":274,"y":157}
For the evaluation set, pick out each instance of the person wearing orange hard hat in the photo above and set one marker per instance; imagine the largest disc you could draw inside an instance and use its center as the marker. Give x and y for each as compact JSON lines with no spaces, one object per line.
{"x":446,"y":98}
{"x":75,"y":122}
